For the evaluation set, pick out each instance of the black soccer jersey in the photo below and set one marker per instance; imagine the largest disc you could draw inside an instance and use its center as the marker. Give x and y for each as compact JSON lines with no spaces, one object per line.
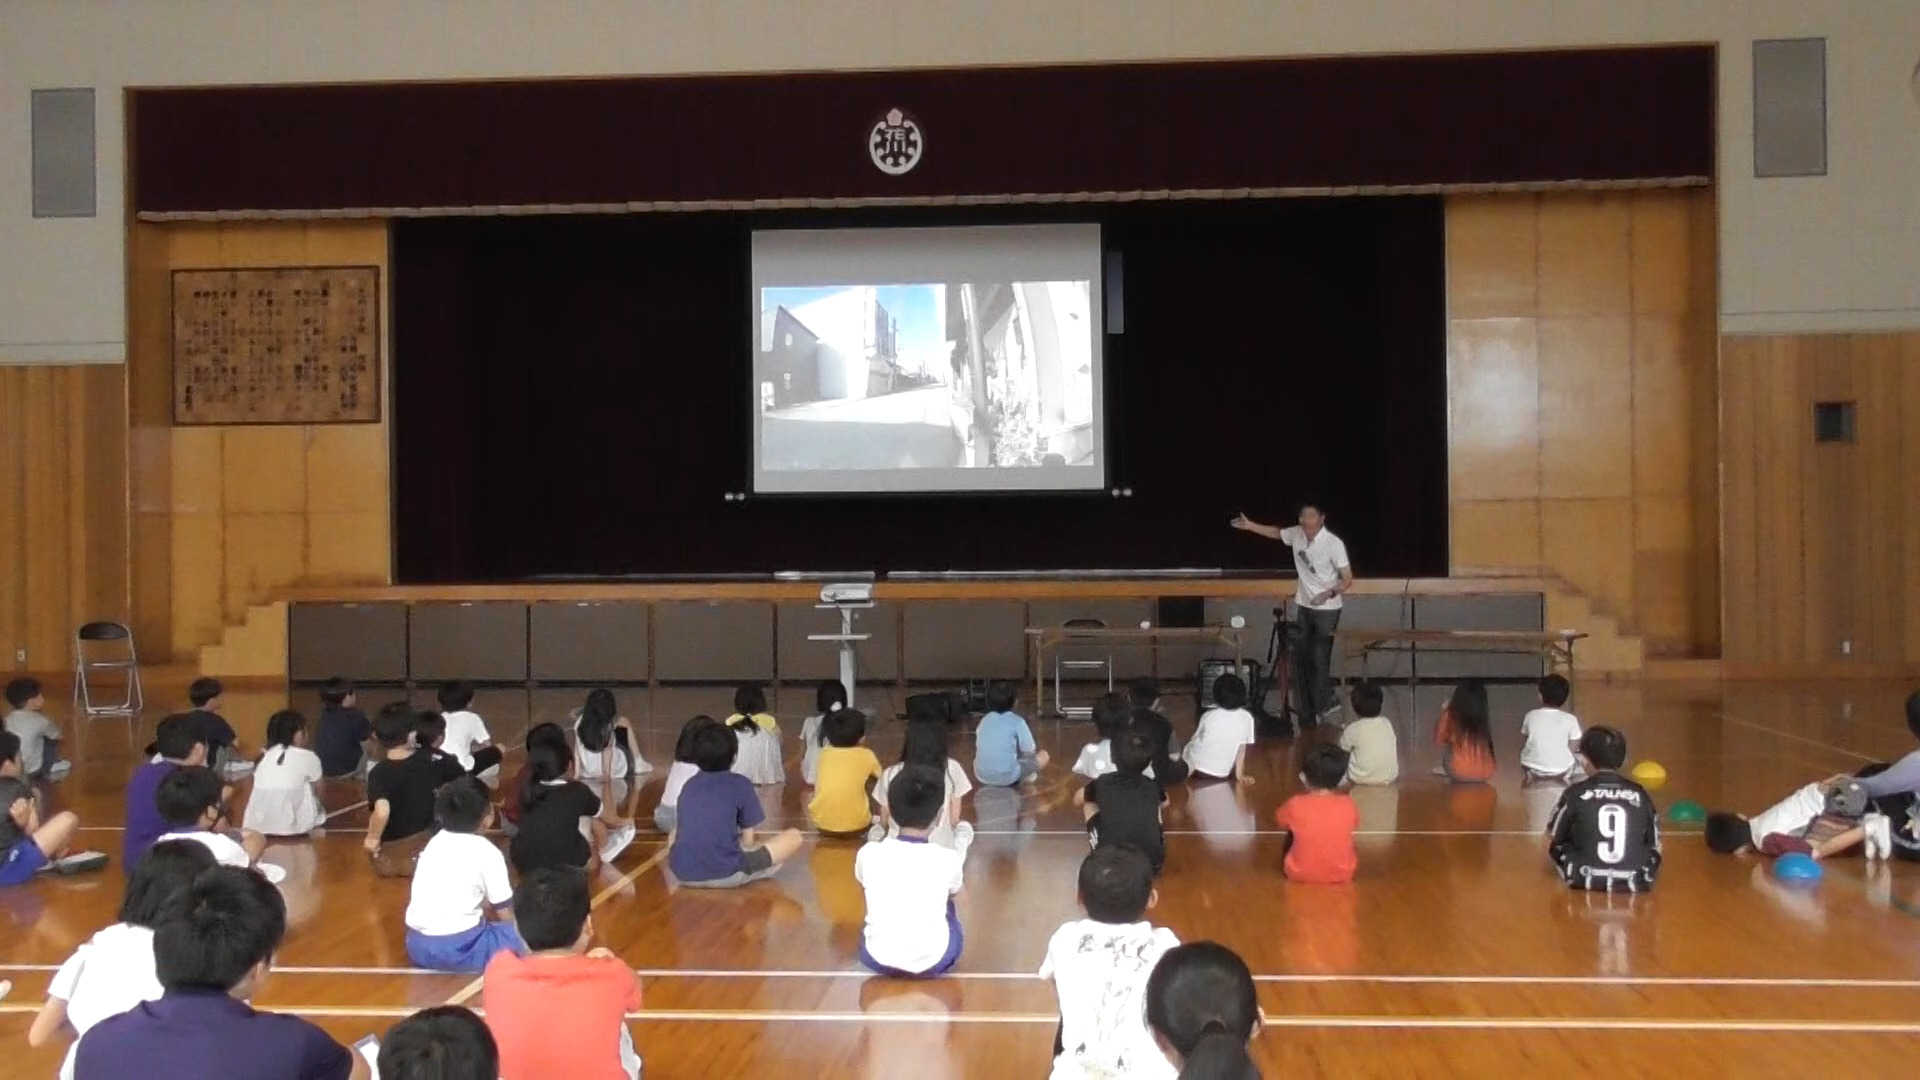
{"x":1606,"y":835}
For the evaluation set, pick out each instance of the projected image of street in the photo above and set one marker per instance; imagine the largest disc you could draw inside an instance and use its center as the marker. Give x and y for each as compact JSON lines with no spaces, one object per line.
{"x":974,"y":375}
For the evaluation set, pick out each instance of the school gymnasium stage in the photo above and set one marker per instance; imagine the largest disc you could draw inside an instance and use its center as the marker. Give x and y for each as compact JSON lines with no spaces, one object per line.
{"x":532,"y":355}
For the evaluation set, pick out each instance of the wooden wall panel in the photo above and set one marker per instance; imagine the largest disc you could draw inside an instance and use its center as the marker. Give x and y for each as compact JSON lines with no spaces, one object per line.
{"x":228,"y":515}
{"x":1822,"y":555}
{"x":1583,"y":393}
{"x":63,"y":537}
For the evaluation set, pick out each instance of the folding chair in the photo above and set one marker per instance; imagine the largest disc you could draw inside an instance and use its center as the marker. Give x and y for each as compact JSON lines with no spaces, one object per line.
{"x":1080,"y":663}
{"x":98,"y":648}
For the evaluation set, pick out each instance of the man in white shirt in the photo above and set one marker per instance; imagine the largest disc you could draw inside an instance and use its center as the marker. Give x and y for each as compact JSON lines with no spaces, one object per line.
{"x":1320,"y":562}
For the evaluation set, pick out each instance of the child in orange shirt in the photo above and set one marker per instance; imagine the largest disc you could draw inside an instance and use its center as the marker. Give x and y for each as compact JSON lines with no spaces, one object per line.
{"x":561,"y":1010}
{"x":1465,"y":736}
{"x":1320,"y":821}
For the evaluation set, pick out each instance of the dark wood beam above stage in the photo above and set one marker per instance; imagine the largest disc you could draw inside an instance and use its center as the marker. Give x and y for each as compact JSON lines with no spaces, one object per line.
{"x":1396,"y":123}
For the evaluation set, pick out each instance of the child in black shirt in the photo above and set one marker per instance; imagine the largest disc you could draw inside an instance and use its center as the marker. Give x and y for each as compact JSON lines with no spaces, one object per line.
{"x":344,"y":731}
{"x":400,"y":792}
{"x":1123,"y":807}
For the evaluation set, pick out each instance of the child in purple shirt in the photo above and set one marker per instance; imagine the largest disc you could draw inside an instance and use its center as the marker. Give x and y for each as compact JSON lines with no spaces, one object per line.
{"x":178,"y":741}
{"x":713,"y":844}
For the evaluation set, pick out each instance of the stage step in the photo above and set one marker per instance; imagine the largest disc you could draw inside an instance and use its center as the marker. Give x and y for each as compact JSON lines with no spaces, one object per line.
{"x":256,"y":647}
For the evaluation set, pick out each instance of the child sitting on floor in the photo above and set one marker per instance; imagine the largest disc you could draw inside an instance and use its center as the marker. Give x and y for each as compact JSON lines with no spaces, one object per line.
{"x":1099,"y":968}
{"x":226,"y":755}
{"x":1144,"y":693}
{"x":562,"y":821}
{"x":1605,"y":832}
{"x":840,"y":806}
{"x":1373,"y":751}
{"x":545,"y":733}
{"x":912,"y":928}
{"x":829,"y":697}
{"x":29,"y":845}
{"x":344,"y":739}
{"x":1320,"y":822}
{"x":178,"y":742}
{"x":1551,"y":734}
{"x":561,"y":1009}
{"x":460,"y":875}
{"x":400,"y":792}
{"x":466,"y":735}
{"x":684,"y":768}
{"x":285,"y":800}
{"x":759,"y":737}
{"x":1112,"y":713}
{"x":1465,"y":736}
{"x":608,"y":749}
{"x":1004,"y":753}
{"x":189,"y":802}
{"x":1123,"y":807}
{"x":1218,"y":749}
{"x":713,"y":845}
{"x":1203,"y":1011}
{"x":430,"y":735}
{"x":113,"y":971}
{"x":926,"y":744}
{"x":39,"y":737}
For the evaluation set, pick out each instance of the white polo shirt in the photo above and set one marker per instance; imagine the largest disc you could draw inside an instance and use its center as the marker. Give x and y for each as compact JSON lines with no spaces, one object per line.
{"x":1319,"y":562}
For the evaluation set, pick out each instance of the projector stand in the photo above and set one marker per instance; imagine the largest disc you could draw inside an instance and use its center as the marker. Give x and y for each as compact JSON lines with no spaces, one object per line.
{"x":847,"y":640}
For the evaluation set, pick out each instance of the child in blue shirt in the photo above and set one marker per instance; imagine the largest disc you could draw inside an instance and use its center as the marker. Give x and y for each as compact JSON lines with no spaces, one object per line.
{"x":1004,"y":751}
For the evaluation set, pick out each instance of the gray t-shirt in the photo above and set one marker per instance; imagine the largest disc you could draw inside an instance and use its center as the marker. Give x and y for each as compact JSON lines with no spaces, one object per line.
{"x":33,"y":730}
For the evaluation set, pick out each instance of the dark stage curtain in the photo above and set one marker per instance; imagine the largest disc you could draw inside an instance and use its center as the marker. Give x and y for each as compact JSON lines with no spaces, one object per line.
{"x":573,"y":394}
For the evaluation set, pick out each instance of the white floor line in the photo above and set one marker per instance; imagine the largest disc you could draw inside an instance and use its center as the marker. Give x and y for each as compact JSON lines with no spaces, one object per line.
{"x":1829,"y":747}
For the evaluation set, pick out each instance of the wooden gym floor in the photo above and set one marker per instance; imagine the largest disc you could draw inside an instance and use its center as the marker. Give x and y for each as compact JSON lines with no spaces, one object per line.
{"x":1456,"y":952}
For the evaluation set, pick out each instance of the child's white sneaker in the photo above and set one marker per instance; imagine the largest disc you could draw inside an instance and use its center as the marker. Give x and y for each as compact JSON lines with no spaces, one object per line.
{"x":617,"y":842}
{"x":1879,"y":832}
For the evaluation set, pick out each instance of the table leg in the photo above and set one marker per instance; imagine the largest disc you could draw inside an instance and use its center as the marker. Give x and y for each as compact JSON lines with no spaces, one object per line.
{"x":1039,"y":675}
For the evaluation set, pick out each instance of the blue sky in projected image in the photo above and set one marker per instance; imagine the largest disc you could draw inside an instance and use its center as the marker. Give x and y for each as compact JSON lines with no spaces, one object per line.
{"x":911,"y":306}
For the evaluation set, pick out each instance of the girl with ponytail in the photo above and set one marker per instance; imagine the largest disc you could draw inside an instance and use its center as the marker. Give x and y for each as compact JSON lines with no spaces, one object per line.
{"x":1202,"y":1012}
{"x":559,"y":814}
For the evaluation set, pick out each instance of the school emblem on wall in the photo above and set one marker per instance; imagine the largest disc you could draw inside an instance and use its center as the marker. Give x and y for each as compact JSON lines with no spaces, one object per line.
{"x":895,"y":143}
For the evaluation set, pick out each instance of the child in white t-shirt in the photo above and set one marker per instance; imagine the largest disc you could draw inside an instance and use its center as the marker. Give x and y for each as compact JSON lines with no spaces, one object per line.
{"x":460,"y":875}
{"x":285,"y":800}
{"x":1373,"y":750}
{"x":1552,"y":734}
{"x":189,"y":802}
{"x":466,"y":732}
{"x":683,"y":769}
{"x":1111,"y":715}
{"x":912,"y":928}
{"x":1218,"y":748}
{"x":829,"y":697}
{"x":926,"y":744}
{"x":1099,"y":967}
{"x":607,"y":748}
{"x":114,"y":970}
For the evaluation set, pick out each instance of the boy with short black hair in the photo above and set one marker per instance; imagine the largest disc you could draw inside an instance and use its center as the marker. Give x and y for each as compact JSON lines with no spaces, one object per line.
{"x":459,"y":876}
{"x":29,"y":845}
{"x":466,"y":734}
{"x":1605,"y":833}
{"x":840,"y":806}
{"x":400,"y":793}
{"x":179,"y":742}
{"x":1099,"y":967}
{"x":10,"y":755}
{"x":1123,"y":807}
{"x":39,"y":737}
{"x":1818,"y":820}
{"x":912,"y":928}
{"x":714,"y":844}
{"x":1552,"y":734}
{"x":1320,"y":822}
{"x":1004,"y":751}
{"x":444,"y":1043}
{"x":1373,"y":750}
{"x":344,"y":739}
{"x":212,"y":948}
{"x":225,"y":753}
{"x":190,"y":801}
{"x":561,"y":1009}
{"x":1144,"y":693}
{"x":1218,"y":749}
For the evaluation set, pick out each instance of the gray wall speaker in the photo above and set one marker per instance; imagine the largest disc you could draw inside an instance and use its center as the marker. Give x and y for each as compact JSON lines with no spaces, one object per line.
{"x":63,"y":171}
{"x":1790,"y":107}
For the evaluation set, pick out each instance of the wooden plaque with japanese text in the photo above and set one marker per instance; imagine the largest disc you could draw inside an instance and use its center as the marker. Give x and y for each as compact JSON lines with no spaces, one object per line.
{"x":294,"y":345}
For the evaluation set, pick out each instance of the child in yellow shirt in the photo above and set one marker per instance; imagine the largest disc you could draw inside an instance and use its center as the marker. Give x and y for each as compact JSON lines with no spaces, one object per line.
{"x":841,"y":806}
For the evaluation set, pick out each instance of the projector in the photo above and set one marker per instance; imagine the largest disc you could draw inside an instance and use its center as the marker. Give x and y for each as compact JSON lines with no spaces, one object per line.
{"x":847,"y":593}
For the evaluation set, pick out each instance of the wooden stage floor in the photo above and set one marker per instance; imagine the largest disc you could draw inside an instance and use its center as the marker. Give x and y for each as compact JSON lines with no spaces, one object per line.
{"x":1456,"y":952}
